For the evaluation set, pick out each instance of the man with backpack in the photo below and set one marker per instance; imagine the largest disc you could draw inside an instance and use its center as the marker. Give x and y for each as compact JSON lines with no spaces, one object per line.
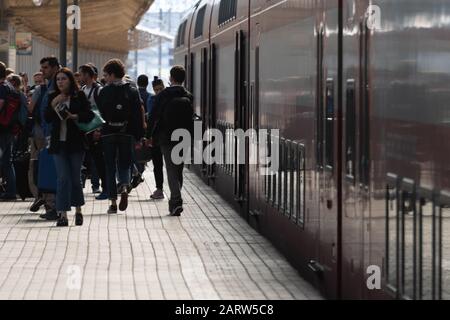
{"x":121,"y":108}
{"x":172,"y":110}
{"x":10,"y":102}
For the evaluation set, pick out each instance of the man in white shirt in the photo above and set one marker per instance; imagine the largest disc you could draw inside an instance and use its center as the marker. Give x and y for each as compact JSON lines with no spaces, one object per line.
{"x":92,"y":88}
{"x":94,"y":158}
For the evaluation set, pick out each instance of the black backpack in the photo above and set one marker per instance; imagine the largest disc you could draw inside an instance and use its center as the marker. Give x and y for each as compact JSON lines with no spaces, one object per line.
{"x":119,"y":106}
{"x":178,"y":113}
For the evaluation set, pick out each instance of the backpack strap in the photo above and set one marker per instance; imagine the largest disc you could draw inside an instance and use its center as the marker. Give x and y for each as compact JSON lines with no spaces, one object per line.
{"x":36,"y":111}
{"x":97,"y":88}
{"x":91,"y":92}
{"x":94,"y":91}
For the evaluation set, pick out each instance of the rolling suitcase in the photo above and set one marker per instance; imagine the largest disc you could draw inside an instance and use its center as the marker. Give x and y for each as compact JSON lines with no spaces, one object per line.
{"x":21,"y":163}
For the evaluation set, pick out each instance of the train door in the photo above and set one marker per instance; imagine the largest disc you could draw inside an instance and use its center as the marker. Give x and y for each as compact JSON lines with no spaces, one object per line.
{"x":352,"y":217}
{"x":254,"y":121}
{"x":211,"y":107}
{"x":327,"y":148}
{"x":364,"y":153}
{"x":241,"y":121}
{"x":204,"y":102}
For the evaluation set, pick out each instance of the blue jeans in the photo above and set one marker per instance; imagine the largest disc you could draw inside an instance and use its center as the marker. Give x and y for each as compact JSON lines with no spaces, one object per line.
{"x":118,"y":152}
{"x":69,"y":191}
{"x":9,"y":174}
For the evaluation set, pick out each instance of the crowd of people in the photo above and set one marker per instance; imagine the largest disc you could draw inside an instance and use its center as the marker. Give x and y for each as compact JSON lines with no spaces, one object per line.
{"x":70,"y":126}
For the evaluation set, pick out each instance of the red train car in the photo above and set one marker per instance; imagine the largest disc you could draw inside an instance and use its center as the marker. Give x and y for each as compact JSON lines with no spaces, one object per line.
{"x":358,"y":90}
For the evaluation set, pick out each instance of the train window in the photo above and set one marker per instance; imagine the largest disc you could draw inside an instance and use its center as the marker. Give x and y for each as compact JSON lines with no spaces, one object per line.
{"x":409,"y":238}
{"x":181,"y":34}
{"x":281,"y":176}
{"x":227,"y":11}
{"x":288,"y":171}
{"x":211,"y":121}
{"x":444,"y":244}
{"x":301,"y":185}
{"x":276,"y":177}
{"x":178,"y":36}
{"x":295,"y":168}
{"x":230,"y":150}
{"x":392,"y":232}
{"x":319,"y":99}
{"x":350,"y":134}
{"x":268,"y":176}
{"x":297,"y":173}
{"x":329,"y":124}
{"x":199,"y":22}
{"x":364,"y":152}
{"x":426,"y":221}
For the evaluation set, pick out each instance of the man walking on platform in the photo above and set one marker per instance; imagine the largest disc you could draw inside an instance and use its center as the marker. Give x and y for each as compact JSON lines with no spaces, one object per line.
{"x":121,"y":107}
{"x":173,"y":110}
{"x":157,"y":157}
{"x":94,"y":157}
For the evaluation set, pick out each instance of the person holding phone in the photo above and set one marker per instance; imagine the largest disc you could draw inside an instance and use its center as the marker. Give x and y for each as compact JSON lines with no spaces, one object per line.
{"x":68,"y":105}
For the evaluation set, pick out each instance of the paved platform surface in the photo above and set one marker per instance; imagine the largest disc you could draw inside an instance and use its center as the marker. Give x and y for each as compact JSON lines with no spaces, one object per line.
{"x":209,"y":253}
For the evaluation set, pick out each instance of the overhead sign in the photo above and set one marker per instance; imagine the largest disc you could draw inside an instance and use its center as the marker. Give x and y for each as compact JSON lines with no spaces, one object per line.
{"x":4,"y":41}
{"x":12,"y":61}
{"x":24,"y":44}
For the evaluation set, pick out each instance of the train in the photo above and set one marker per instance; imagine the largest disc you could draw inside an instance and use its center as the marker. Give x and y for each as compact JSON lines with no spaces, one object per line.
{"x":357,"y":93}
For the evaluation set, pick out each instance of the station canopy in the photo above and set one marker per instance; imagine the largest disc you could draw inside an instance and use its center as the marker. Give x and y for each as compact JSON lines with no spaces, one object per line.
{"x":106,"y":25}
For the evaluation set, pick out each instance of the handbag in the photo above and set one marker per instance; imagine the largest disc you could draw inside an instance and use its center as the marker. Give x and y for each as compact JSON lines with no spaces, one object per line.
{"x":96,"y":123}
{"x":47,"y":176}
{"x":143,"y":153}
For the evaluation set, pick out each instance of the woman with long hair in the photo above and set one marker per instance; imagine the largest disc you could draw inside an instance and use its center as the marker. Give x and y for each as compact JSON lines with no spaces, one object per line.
{"x":67,"y":106}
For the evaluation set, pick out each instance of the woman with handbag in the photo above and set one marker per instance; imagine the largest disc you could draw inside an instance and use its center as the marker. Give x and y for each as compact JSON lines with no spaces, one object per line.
{"x":68,"y":108}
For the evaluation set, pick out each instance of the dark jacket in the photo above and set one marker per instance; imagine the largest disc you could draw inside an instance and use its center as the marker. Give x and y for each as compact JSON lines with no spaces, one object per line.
{"x":135,"y":122}
{"x":144,"y":94}
{"x":75,"y":140}
{"x":159,"y":130}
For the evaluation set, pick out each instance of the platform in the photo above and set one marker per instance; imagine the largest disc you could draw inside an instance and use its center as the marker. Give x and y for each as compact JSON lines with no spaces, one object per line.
{"x":208,"y":253}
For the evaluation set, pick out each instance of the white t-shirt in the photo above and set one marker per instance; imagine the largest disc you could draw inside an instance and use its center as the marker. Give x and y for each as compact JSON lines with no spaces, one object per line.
{"x":91,"y":91}
{"x":63,"y":128}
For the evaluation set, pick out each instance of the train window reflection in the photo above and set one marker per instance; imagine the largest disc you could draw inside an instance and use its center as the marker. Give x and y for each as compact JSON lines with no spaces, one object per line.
{"x":295,"y":153}
{"x":275,"y":188}
{"x":408,"y":248}
{"x":426,"y":215}
{"x":350,"y":122}
{"x":392,"y":243}
{"x":329,"y":124}
{"x":227,"y":11}
{"x":289,"y":172}
{"x":445,"y":272}
{"x":301,"y":185}
{"x":268,"y":177}
{"x":199,"y":22}
{"x":282,"y":177}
